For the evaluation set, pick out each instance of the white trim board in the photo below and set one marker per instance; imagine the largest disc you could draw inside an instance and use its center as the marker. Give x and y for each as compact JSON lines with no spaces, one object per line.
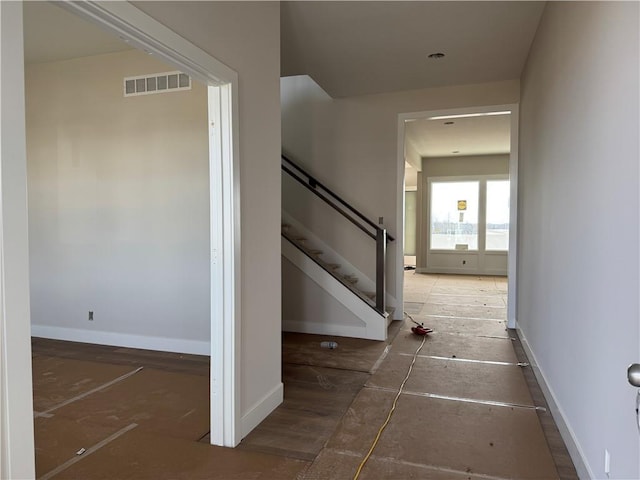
{"x":145,"y":33}
{"x":261,"y":409}
{"x":576,"y":453}
{"x":16,"y":395}
{"x":144,"y":342}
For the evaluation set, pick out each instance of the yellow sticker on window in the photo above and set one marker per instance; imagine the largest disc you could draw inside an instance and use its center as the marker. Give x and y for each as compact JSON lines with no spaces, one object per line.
{"x":462,"y":204}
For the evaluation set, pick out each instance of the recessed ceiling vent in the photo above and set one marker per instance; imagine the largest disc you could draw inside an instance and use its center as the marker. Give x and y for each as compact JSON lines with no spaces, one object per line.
{"x":156,"y":83}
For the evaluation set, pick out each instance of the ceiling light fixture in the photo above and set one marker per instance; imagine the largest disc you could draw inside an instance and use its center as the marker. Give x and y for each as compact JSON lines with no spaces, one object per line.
{"x":436,"y":56}
{"x":470,"y":115}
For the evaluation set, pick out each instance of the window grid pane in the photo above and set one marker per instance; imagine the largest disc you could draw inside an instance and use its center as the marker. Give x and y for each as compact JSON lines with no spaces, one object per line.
{"x":454,"y":215}
{"x":497,"y":233}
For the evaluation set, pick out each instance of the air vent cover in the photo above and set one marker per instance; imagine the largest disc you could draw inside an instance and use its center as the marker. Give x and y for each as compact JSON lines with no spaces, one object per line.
{"x":156,"y":83}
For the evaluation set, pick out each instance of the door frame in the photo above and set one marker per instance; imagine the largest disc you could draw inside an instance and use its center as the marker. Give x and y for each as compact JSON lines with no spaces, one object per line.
{"x":150,"y":36}
{"x":145,"y":33}
{"x":513,"y":214}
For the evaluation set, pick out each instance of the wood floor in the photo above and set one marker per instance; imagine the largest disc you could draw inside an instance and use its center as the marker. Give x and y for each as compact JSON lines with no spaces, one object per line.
{"x":468,"y":410}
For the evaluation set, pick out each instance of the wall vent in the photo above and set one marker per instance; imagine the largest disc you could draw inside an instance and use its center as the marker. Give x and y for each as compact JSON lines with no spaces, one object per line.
{"x":156,"y":83}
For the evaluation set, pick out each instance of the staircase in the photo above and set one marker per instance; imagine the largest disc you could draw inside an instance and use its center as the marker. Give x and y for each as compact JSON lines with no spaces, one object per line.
{"x":323,"y":292}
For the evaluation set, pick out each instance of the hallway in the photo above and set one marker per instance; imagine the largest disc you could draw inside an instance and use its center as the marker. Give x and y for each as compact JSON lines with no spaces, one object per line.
{"x":468,"y":409}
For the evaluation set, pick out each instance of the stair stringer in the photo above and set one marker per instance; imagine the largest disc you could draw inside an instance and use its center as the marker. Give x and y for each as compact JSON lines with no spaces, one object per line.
{"x":365,"y":283}
{"x":338,"y":311}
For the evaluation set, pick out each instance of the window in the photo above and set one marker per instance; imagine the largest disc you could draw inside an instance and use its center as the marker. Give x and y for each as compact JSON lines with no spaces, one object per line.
{"x":454,"y":215}
{"x":497,"y":231}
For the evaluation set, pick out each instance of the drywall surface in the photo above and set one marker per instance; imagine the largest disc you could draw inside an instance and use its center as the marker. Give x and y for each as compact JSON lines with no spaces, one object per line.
{"x":118,"y":203}
{"x":306,"y":118}
{"x":246,"y":37}
{"x":411,"y":155}
{"x":355,"y":154}
{"x":465,"y":165}
{"x":578,"y":239}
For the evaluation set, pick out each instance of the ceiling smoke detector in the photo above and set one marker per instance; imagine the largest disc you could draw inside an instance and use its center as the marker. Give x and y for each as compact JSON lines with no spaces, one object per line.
{"x":436,"y":56}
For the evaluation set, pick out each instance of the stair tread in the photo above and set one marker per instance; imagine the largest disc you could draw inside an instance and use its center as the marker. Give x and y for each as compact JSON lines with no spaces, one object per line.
{"x":348,"y":280}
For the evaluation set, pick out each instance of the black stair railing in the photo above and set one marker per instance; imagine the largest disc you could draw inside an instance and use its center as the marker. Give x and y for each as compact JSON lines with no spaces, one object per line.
{"x":372,"y":230}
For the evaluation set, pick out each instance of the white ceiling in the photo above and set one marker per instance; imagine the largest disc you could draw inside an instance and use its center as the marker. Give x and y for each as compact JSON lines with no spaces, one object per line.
{"x":359,"y":47}
{"x":364,"y":47}
{"x":468,"y":136}
{"x":52,"y":34}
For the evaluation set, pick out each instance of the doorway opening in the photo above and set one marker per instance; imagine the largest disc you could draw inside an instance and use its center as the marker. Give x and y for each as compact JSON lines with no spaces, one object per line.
{"x":144,"y":33}
{"x":148,"y":36}
{"x":462,"y":165}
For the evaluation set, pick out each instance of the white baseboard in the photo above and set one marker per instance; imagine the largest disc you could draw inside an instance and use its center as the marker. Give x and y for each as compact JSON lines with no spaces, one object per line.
{"x":335,"y":329}
{"x":122,"y":340}
{"x":261,"y":409}
{"x":576,"y":453}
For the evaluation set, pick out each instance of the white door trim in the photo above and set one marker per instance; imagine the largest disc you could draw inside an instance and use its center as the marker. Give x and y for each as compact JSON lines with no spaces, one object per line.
{"x":145,"y":33}
{"x":513,"y":176}
{"x":16,"y":401}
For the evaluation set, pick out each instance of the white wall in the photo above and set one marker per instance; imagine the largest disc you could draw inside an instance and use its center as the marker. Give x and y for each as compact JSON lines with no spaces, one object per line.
{"x":411,"y":155}
{"x":246,"y":37}
{"x":306,"y":118}
{"x":464,"y":165}
{"x":118,"y":206}
{"x":578,"y":241}
{"x":356,"y":156}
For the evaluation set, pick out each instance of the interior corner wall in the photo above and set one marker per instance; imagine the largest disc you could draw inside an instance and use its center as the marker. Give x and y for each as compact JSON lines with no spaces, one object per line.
{"x":578,"y":213}
{"x":306,"y":118}
{"x":246,"y":37}
{"x":412,"y":156}
{"x":361,"y":162}
{"x":118,"y":206}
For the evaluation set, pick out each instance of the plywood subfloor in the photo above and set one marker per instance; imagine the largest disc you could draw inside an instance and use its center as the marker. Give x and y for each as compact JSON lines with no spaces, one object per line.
{"x":171,"y":404}
{"x":354,"y":354}
{"x":316,"y":398}
{"x":466,"y":412}
{"x":137,"y":455}
{"x":505,"y":442}
{"x":56,"y":380}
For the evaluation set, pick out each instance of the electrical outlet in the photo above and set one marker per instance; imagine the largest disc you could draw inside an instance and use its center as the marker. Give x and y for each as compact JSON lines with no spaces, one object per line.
{"x":91,"y":315}
{"x":607,"y":463}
